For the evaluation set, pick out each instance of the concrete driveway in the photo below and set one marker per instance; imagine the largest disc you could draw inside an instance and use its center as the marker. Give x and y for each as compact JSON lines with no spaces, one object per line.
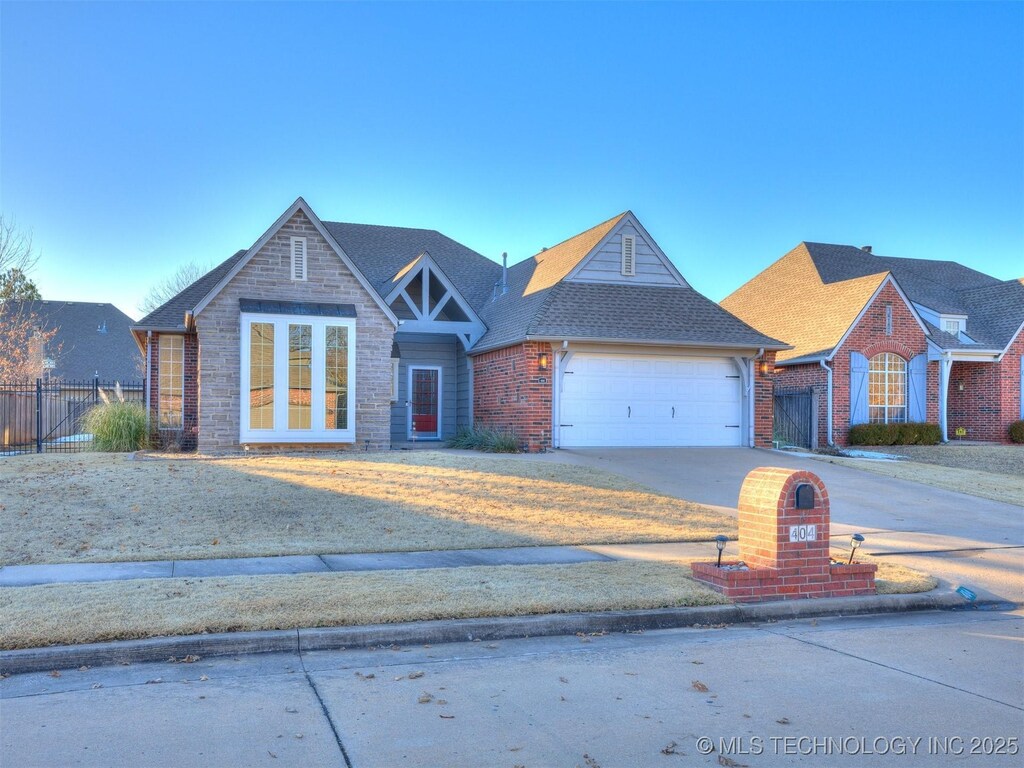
{"x":964,"y":539}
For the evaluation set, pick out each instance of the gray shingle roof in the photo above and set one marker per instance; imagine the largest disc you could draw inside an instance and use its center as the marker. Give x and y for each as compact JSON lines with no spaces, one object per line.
{"x":994,"y":308}
{"x":380,"y":252}
{"x":995,"y":312}
{"x":640,"y":313}
{"x":91,"y":339}
{"x":627,"y":312}
{"x":934,"y":284}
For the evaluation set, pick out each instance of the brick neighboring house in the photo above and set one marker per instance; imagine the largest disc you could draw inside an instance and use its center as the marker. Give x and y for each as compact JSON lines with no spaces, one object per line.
{"x":891,"y":339}
{"x":368,"y":337}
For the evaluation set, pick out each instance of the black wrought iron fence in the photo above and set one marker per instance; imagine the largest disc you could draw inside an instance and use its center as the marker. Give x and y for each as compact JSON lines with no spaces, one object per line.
{"x":45,"y":416}
{"x":794,"y":418}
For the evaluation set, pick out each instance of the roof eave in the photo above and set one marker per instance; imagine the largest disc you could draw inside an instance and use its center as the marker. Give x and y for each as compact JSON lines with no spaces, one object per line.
{"x":630,"y":342}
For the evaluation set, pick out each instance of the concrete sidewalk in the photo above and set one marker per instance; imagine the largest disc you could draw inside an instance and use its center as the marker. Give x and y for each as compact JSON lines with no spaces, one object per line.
{"x":29,"y":575}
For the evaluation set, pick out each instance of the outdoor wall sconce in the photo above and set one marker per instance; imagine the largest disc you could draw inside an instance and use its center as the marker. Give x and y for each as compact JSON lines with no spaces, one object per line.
{"x":855,"y":541}
{"x":960,"y":386}
{"x":542,"y":361}
{"x":720,"y":543}
{"x":765,"y":368}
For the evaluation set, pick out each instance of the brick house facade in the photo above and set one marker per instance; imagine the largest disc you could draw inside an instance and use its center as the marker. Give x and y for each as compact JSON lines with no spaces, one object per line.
{"x":429,"y":336}
{"x":869,"y":337}
{"x":957,"y":332}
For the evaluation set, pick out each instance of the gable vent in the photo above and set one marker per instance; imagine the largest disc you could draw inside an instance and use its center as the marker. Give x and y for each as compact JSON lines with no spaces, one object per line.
{"x":298,"y":258}
{"x":628,"y":256}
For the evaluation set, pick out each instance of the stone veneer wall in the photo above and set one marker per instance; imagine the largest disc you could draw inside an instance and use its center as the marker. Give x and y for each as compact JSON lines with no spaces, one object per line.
{"x":268,"y":276}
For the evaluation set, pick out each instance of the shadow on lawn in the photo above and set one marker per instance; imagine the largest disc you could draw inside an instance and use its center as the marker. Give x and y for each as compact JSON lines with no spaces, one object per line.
{"x":98,"y":508}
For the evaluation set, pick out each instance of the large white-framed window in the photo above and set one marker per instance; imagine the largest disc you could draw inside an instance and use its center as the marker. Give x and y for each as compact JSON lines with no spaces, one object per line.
{"x":171,"y":397}
{"x":887,"y":389}
{"x":297,"y":379}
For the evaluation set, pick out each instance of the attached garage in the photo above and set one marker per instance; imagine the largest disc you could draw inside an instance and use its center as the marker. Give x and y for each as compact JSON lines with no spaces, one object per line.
{"x":650,"y":400}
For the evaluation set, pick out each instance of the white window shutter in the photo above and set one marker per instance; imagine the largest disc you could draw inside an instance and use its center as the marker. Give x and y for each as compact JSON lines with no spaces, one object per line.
{"x":628,"y":255}
{"x":298,"y":258}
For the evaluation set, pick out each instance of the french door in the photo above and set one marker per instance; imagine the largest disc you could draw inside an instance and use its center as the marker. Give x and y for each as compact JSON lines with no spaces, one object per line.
{"x":424,"y":403}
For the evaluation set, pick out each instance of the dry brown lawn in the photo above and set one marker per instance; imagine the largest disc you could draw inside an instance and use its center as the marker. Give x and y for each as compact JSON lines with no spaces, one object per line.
{"x":84,"y":613}
{"x":988,"y":485}
{"x":109,"y":507}
{"x":999,"y":459}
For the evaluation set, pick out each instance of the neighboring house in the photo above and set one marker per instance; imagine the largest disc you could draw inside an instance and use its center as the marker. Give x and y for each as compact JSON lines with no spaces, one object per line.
{"x":90,"y":340}
{"x":371,"y":337}
{"x":889,"y":340}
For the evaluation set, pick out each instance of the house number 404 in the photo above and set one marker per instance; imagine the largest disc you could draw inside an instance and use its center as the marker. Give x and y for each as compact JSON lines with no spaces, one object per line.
{"x":803,"y":533}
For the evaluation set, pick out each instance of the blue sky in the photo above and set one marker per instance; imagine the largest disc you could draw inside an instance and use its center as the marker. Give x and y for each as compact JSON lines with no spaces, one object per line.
{"x":136,"y":137}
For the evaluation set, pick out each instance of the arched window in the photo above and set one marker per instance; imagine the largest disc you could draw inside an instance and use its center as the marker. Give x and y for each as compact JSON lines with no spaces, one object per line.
{"x":887,"y":389}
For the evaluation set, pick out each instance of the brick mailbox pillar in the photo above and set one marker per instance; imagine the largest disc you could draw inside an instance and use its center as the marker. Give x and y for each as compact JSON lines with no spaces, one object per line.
{"x":784,"y":544}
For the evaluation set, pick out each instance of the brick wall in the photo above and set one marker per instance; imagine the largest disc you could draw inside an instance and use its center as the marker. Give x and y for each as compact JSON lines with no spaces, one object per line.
{"x":990,"y":398}
{"x":869,"y":338}
{"x":267,"y":276}
{"x":764,"y":402}
{"x":777,"y":568}
{"x":186,"y":438}
{"x":510,"y":392}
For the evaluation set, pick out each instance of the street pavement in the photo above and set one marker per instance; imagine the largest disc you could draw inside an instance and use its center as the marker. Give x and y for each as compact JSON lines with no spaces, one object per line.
{"x":903,"y":689}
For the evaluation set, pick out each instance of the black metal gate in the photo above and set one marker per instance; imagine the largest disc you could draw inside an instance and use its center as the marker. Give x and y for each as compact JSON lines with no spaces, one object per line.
{"x":46,"y":416}
{"x":794,"y":417}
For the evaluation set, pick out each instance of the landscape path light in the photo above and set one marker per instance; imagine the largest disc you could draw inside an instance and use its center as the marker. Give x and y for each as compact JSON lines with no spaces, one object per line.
{"x":855,"y":541}
{"x":720,"y":543}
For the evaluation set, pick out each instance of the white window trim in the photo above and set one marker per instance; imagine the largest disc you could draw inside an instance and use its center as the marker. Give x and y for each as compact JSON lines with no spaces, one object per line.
{"x":280,"y":433}
{"x":628,"y":264}
{"x":159,"y":397}
{"x":299,"y":241}
{"x":886,"y":407}
{"x":440,"y":400}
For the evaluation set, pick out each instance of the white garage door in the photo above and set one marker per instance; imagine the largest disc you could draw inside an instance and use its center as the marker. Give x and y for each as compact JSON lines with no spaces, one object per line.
{"x":632,"y":400}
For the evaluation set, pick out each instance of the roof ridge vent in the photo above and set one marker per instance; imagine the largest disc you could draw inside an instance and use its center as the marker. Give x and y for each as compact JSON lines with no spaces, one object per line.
{"x":866,"y":248}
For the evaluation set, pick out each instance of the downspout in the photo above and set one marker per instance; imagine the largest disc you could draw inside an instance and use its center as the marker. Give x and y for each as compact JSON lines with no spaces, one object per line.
{"x":828,"y":410}
{"x":945,"y":367}
{"x":556,"y":393}
{"x":149,"y":377}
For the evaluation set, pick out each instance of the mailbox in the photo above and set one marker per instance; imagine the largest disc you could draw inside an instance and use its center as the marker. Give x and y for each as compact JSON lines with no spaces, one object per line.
{"x":805,"y":496}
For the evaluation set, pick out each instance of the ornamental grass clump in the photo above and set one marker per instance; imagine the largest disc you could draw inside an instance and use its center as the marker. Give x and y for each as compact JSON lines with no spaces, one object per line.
{"x":117,"y":426}
{"x":484,"y":439}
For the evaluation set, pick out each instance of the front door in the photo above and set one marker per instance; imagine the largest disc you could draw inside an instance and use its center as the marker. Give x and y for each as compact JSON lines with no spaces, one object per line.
{"x":424,"y":403}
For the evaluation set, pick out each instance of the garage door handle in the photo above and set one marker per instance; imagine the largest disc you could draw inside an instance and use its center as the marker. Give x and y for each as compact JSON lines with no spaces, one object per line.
{"x":673,"y":411}
{"x":629,"y":411}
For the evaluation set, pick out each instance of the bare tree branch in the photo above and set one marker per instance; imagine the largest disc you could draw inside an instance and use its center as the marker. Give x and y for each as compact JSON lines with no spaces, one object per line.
{"x":24,"y":343}
{"x":171,"y":286}
{"x":16,"y":250}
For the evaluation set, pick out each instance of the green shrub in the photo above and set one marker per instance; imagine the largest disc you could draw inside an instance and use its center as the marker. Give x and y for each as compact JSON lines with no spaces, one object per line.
{"x":1017,"y":431}
{"x":484,"y":439}
{"x":910,"y":433}
{"x":117,"y":426}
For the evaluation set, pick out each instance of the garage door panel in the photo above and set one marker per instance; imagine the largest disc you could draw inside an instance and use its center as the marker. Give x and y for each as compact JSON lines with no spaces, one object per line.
{"x":623,"y":400}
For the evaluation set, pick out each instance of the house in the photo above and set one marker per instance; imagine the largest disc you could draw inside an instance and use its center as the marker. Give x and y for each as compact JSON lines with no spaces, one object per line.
{"x":333,"y":334}
{"x":890,"y":339}
{"x":90,"y":340}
